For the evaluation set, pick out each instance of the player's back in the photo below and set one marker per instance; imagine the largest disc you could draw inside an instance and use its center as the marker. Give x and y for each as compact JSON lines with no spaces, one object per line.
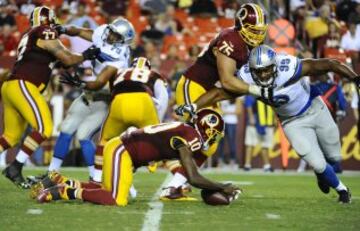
{"x":33,"y":63}
{"x":154,"y":143}
{"x":135,"y":80}
{"x":229,"y":42}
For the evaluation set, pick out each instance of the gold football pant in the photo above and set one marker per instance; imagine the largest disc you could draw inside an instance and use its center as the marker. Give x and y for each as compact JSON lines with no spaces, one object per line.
{"x":126,"y":110}
{"x":24,"y":105}
{"x":117,"y":171}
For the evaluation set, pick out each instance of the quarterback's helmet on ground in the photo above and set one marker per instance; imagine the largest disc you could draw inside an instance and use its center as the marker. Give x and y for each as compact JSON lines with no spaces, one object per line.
{"x":250,"y":20}
{"x":141,"y":63}
{"x":262,"y":64}
{"x":210,"y":125}
{"x":42,"y":15}
{"x":123,"y":29}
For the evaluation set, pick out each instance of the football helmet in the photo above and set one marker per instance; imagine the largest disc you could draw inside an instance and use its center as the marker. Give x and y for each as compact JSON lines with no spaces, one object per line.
{"x":123,"y":31}
{"x":42,"y":15}
{"x":262,"y":65}
{"x":250,"y":21}
{"x":210,"y":125}
{"x":141,"y":63}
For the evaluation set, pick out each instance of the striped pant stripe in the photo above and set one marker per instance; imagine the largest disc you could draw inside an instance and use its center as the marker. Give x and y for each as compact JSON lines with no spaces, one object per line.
{"x":116,"y":169}
{"x":33,"y":106}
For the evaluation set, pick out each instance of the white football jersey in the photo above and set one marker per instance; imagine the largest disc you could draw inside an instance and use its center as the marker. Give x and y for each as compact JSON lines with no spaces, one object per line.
{"x":111,"y":55}
{"x":291,"y":97}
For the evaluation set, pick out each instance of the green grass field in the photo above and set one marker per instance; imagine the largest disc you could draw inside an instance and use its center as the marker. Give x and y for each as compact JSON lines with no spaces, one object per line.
{"x":270,"y":202}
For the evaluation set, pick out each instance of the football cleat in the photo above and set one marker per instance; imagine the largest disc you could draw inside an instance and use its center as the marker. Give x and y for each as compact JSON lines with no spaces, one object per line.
{"x":14,"y":174}
{"x":52,"y":178}
{"x":57,"y":192}
{"x":323,"y":186}
{"x":174,"y":194}
{"x":344,"y":196}
{"x":35,"y":179}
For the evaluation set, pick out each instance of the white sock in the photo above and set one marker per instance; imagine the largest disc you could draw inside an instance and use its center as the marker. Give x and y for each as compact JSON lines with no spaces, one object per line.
{"x":341,"y":187}
{"x":177,"y":180}
{"x":3,"y":158}
{"x":91,"y":169}
{"x":267,"y":166}
{"x":133,"y":192}
{"x":22,"y":156}
{"x":55,"y":164}
{"x":97,"y":175}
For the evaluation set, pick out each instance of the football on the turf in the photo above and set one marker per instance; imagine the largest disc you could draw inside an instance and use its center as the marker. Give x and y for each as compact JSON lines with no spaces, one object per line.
{"x":214,"y":197}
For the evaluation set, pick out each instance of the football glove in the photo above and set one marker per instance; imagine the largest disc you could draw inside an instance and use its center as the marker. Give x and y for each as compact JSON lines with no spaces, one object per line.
{"x":266,"y":93}
{"x":60,"y":29}
{"x":91,"y":53}
{"x":72,"y":80}
{"x":186,"y":108}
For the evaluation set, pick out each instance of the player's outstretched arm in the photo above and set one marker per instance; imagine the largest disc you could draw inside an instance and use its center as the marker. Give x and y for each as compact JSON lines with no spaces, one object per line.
{"x":105,"y":75}
{"x":56,"y":48}
{"x":316,"y":67}
{"x":227,"y":68}
{"x":213,"y":96}
{"x":193,"y":175}
{"x":84,"y":33}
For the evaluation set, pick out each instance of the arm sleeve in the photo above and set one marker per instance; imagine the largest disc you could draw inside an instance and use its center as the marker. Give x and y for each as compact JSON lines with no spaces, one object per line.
{"x":161,"y":98}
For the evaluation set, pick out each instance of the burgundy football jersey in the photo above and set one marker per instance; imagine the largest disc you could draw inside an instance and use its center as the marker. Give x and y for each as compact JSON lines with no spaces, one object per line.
{"x":158,"y":142}
{"x":204,"y":71}
{"x":33,"y":63}
{"x":135,"y":80}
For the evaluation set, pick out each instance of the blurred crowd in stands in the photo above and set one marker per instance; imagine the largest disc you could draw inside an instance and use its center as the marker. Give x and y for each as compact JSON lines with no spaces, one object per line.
{"x":172,"y":33}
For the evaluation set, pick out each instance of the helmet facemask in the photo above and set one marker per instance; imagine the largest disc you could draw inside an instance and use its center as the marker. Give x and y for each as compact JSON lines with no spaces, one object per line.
{"x":256,"y":74}
{"x":119,"y":32}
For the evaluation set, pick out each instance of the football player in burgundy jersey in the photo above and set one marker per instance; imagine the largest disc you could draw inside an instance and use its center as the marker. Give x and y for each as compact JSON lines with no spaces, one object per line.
{"x":139,"y":98}
{"x":216,"y":65}
{"x":137,"y":148}
{"x":38,"y":50}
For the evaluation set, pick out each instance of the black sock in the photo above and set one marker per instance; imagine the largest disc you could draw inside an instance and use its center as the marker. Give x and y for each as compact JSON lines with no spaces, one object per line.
{"x":71,"y":193}
{"x":17,"y":164}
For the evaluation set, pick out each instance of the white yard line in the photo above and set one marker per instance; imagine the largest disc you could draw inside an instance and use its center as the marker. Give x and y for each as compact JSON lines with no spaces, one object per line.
{"x":153,"y":215}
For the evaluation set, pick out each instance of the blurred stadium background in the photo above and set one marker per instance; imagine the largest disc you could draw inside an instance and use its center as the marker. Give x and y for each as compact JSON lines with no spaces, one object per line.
{"x":171,"y":33}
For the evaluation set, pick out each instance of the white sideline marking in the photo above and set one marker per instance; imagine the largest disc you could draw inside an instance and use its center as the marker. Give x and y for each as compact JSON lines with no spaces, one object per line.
{"x":34,"y":211}
{"x":153,"y":215}
{"x":272,"y":216}
{"x":258,"y":196}
{"x":240,"y":182}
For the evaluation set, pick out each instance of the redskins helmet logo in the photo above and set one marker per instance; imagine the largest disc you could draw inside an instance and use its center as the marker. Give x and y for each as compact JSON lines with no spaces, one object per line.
{"x":243,"y":13}
{"x":211,"y":120}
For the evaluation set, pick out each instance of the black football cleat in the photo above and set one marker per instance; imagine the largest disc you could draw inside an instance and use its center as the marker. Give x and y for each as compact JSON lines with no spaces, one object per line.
{"x":36,"y":179}
{"x":323,"y":186}
{"x":13,"y":173}
{"x":344,"y":196}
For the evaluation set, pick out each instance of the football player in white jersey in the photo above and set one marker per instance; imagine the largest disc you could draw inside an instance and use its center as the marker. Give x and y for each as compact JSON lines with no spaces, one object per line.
{"x":88,"y":111}
{"x":304,"y":116}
